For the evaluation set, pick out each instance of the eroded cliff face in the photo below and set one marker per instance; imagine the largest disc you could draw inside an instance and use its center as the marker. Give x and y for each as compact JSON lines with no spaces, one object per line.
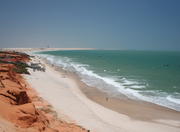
{"x":20,"y":104}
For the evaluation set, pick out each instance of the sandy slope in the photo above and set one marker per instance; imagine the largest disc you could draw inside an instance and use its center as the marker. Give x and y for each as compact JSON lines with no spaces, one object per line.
{"x":71,"y":104}
{"x":6,"y":126}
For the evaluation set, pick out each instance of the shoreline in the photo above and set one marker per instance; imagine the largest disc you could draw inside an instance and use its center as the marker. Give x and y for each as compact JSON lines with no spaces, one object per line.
{"x":155,"y":117}
{"x":135,"y":109}
{"x":115,"y":84}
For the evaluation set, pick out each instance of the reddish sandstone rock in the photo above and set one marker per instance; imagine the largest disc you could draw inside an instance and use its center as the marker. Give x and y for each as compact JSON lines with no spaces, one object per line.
{"x":27,"y":116}
{"x":21,"y":96}
{"x":14,"y":96}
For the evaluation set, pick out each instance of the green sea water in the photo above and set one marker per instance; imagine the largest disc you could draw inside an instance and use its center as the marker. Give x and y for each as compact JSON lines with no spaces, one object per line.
{"x":152,"y":76}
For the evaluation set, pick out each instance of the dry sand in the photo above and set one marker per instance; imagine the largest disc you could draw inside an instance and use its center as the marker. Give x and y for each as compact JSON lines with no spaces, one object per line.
{"x":64,"y":94}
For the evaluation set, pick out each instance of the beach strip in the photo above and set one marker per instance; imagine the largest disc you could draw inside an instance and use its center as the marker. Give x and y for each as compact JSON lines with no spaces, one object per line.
{"x":65,"y":95}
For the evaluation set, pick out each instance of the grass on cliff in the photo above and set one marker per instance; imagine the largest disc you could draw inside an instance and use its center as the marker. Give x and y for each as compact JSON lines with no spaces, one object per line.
{"x":21,"y":68}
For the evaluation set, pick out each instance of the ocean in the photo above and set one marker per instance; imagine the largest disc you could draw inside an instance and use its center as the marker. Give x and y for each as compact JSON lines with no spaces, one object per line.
{"x":152,"y":76}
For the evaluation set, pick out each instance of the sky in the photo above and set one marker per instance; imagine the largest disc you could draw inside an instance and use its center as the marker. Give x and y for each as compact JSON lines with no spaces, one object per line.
{"x":101,"y":24}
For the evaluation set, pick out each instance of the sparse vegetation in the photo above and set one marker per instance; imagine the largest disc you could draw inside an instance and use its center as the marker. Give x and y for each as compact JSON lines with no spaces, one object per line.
{"x":21,"y":68}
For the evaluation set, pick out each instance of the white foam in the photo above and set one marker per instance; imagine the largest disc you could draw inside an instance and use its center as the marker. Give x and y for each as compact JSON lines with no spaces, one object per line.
{"x":127,"y":87}
{"x":137,"y":86}
{"x":174,"y":100}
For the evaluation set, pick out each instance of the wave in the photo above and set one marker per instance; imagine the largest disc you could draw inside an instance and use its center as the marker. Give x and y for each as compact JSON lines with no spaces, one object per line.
{"x":130,"y":88}
{"x":174,"y":100}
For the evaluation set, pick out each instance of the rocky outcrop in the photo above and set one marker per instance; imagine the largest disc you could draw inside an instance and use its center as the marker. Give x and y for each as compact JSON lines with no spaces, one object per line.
{"x":21,"y":96}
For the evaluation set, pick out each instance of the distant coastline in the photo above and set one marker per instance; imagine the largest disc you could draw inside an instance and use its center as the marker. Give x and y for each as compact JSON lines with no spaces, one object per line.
{"x":43,"y":49}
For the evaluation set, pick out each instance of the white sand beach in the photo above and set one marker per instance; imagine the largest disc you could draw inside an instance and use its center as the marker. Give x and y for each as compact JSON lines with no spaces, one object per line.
{"x":63,"y":93}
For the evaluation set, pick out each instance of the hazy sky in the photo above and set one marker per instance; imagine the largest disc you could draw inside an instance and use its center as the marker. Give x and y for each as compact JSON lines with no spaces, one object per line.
{"x":107,"y":24}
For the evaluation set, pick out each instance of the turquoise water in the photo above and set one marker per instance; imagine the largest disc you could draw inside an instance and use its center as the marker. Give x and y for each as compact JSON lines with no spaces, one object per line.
{"x":152,"y":76}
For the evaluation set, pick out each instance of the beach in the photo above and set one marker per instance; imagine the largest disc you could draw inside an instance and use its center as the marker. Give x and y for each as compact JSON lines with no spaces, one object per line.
{"x":82,"y":106}
{"x":65,"y":103}
{"x":89,"y":66}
